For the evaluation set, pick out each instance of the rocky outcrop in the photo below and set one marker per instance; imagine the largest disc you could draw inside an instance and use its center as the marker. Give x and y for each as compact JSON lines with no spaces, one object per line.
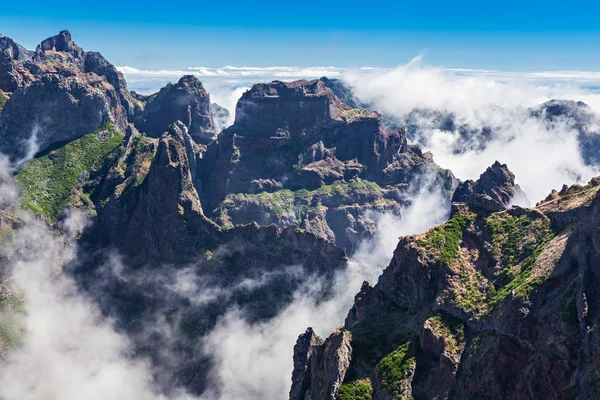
{"x":321,"y":379}
{"x":343,"y":92}
{"x":493,"y":191}
{"x":303,"y":353}
{"x":496,"y":302}
{"x":168,"y":222}
{"x":51,"y":110}
{"x":13,"y":74}
{"x":285,"y":108}
{"x":58,"y":93}
{"x":299,"y":135}
{"x":186,"y":101}
{"x":341,"y":213}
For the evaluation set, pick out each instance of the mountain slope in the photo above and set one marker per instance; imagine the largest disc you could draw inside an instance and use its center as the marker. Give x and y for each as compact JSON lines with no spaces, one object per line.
{"x":492,"y":304}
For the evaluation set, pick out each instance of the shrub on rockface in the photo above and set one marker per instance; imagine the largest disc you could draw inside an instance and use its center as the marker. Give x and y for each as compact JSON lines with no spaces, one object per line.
{"x":356,"y":390}
{"x":394,"y":371}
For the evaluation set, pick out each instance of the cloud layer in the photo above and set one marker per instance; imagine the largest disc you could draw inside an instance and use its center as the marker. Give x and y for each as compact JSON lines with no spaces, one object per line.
{"x":254,"y":361}
{"x":542,"y":155}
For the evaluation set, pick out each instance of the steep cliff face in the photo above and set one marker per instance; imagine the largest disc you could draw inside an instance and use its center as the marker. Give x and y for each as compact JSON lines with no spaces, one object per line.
{"x":492,"y":304}
{"x":57,"y":93}
{"x":12,"y":72}
{"x":147,"y":231}
{"x":342,"y":213}
{"x":186,"y":101}
{"x":299,"y":137}
{"x":285,"y":108}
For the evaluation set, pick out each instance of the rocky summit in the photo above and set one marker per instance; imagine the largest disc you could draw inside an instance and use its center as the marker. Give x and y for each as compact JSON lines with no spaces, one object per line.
{"x":186,"y":101}
{"x":297,"y":155}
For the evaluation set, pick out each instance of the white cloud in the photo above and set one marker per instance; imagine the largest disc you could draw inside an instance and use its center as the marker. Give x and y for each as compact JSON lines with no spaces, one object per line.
{"x":254,"y":361}
{"x":543,"y":156}
{"x":69,"y":351}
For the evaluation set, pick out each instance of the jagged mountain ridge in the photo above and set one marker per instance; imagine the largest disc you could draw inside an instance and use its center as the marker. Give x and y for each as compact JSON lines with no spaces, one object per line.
{"x":305,"y":147}
{"x":149,"y":174}
{"x":496,"y":304}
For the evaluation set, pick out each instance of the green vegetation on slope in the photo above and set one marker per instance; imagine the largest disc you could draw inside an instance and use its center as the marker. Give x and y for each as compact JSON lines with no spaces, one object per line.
{"x":3,"y":100}
{"x":515,"y":237}
{"x":12,"y":327}
{"x":356,"y":390}
{"x":446,"y":238}
{"x":517,"y":241}
{"x":299,"y":202}
{"x":394,"y":370}
{"x":521,"y":285}
{"x":47,"y":181}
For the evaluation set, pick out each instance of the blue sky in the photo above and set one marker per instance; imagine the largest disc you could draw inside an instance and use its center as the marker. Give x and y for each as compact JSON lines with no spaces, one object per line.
{"x":507,"y":35}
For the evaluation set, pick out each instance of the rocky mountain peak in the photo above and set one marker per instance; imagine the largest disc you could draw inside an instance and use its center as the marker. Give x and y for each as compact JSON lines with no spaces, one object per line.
{"x":60,"y":42}
{"x":186,"y":101}
{"x":191,"y":84}
{"x":493,"y":191}
{"x":293,"y":107}
{"x":13,"y":50}
{"x":75,"y":91}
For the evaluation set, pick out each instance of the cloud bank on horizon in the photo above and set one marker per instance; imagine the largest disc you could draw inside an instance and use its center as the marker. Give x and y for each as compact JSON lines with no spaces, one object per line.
{"x":150,"y":80}
{"x":543,"y":156}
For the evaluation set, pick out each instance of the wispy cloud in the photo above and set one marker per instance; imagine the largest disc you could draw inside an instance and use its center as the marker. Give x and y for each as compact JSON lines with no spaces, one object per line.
{"x":236,"y":72}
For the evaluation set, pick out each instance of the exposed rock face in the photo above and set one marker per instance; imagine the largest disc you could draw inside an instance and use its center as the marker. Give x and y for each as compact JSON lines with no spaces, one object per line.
{"x":12,"y":73}
{"x":325,"y":364}
{"x":50,"y":110}
{"x":168,"y":222}
{"x":59,"y":92}
{"x":496,"y":302}
{"x":60,"y":42}
{"x":343,"y":92}
{"x":186,"y":101}
{"x":279,"y":107}
{"x":299,"y":135}
{"x":493,"y":191}
{"x":303,"y":353}
{"x":341,"y":213}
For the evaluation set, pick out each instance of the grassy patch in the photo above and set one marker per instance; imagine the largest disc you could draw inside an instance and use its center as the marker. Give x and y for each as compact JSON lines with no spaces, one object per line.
{"x":446,"y":238}
{"x":356,"y":390}
{"x":299,"y":204}
{"x":517,"y":241}
{"x":515,"y":237}
{"x":472,"y":299}
{"x":394,"y":369}
{"x":3,"y":100}
{"x":48,"y":180}
{"x":522,"y":284}
{"x":344,"y":188}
